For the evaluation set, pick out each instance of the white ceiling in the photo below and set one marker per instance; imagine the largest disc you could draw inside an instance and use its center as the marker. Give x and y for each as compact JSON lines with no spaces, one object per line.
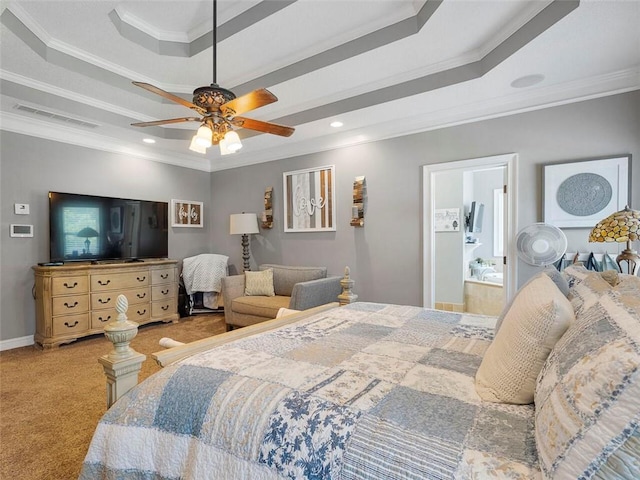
{"x":383,"y":67}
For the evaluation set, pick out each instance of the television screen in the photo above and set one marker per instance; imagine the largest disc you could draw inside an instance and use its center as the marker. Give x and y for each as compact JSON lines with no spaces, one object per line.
{"x":88,"y":227}
{"x":475,"y":217}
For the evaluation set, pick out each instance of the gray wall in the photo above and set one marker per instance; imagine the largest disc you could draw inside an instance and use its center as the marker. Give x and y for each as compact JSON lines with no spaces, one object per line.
{"x":31,"y":167}
{"x":385,"y":256}
{"x":484,"y":183}
{"x":449,"y":278}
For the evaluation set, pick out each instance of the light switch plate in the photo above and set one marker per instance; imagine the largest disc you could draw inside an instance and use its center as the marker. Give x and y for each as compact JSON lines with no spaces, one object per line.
{"x":22,"y":208}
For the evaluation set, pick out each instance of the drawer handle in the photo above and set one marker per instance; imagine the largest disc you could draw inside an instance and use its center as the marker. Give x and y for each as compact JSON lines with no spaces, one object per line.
{"x":164,"y":276}
{"x":164,"y":292}
{"x":66,"y":324}
{"x":104,"y":319}
{"x":75,"y":284}
{"x":75,"y":304}
{"x":141,"y":279}
{"x":142,"y":312}
{"x":104,"y":301}
{"x":100,"y":282}
{"x":165,"y":307}
{"x":141,"y":296}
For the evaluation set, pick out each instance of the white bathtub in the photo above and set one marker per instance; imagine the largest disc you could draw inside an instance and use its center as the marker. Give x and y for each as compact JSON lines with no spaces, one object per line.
{"x":492,"y":277}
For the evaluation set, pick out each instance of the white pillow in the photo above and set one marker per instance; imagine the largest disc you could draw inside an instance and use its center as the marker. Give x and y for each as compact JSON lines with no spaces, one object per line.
{"x":536,"y":320}
{"x":259,"y":283}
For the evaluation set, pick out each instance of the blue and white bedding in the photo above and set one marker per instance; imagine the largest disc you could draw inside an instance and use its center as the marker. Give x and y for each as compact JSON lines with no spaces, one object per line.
{"x":367,"y":391}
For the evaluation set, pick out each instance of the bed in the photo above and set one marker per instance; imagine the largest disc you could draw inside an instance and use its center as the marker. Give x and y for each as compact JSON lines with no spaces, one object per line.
{"x":362,"y":391}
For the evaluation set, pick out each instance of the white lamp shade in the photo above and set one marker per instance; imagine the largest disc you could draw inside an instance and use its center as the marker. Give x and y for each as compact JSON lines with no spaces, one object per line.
{"x":224,"y":149}
{"x":195,"y":147}
{"x":232,"y":141}
{"x":243,"y":223}
{"x":203,"y":137}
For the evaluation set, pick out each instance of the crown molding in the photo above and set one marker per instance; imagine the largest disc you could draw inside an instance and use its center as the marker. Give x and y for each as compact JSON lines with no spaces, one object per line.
{"x":35,"y":127}
{"x":518,"y":102}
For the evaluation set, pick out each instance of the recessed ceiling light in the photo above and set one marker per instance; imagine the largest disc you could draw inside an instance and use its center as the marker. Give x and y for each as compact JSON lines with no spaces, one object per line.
{"x":148,"y":140}
{"x":527,"y":81}
{"x":336,"y":124}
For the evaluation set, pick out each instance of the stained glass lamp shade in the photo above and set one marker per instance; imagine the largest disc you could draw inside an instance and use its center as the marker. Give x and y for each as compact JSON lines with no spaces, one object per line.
{"x":620,"y":227}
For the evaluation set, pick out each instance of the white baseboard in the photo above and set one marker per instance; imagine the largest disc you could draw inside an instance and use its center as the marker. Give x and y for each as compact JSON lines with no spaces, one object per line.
{"x":16,"y":343}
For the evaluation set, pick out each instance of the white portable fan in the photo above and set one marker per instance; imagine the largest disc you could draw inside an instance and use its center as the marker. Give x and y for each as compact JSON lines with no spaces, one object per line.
{"x":541,"y":244}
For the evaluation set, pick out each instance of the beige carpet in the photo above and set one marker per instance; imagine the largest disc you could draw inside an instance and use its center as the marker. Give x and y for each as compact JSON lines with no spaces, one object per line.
{"x":51,"y":402}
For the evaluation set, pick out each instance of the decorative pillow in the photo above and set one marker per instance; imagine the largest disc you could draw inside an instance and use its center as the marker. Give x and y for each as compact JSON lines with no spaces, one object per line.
{"x":611,"y":276}
{"x":259,"y":283}
{"x":587,"y":291}
{"x":586,"y":400}
{"x":538,"y":317}
{"x":553,"y":274}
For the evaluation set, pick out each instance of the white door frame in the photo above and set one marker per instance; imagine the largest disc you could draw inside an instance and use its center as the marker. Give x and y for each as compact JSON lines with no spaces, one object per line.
{"x":510,"y":161}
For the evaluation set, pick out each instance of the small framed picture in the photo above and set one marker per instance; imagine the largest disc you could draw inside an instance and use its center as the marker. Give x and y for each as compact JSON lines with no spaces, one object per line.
{"x":186,"y":213}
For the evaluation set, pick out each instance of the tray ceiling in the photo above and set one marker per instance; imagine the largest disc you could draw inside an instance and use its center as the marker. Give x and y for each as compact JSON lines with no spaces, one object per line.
{"x":385,"y":68}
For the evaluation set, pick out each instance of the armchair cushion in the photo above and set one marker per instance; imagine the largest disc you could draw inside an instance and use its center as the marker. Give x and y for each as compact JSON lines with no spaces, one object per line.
{"x":259,"y":283}
{"x":285,"y":277}
{"x":260,"y":306}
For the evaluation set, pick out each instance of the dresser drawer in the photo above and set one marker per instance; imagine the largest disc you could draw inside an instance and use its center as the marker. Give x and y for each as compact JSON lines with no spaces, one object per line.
{"x":119,"y":281}
{"x":163,"y":308}
{"x":161,"y":292}
{"x":139,"y":313}
{"x":70,"y":324}
{"x":69,"y":285}
{"x":100,"y":318}
{"x":163,"y":275}
{"x":108,"y":299}
{"x":69,"y":305}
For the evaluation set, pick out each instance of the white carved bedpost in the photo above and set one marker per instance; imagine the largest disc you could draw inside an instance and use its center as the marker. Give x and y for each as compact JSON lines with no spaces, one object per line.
{"x":122,"y":364}
{"x":347,"y":296}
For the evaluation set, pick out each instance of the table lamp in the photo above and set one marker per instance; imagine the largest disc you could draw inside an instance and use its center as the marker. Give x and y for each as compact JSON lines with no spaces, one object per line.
{"x":622,"y":226}
{"x":244,"y":224}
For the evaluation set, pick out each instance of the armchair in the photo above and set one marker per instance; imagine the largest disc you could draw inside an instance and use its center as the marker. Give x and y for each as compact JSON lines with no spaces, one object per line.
{"x":296,"y":288}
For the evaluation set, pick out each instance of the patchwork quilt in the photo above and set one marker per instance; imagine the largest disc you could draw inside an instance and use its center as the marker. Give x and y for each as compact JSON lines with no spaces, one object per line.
{"x":366,"y":391}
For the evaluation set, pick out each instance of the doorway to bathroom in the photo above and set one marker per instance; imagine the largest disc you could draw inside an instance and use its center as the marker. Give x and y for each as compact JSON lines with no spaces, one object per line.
{"x":469,"y":227}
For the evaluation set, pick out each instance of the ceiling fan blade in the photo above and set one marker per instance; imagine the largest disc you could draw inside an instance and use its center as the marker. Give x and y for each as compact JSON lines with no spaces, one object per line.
{"x":261,"y":126}
{"x":250,"y":101}
{"x":170,"y":96}
{"x":166,"y":122}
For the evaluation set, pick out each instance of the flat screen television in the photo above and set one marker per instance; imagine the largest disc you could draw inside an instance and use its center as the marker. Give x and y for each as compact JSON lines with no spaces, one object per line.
{"x":474,"y":221}
{"x":94,"y":228}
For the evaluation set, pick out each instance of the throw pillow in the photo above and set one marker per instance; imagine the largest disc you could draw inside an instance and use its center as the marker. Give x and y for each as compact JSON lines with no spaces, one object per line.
{"x":553,"y":274}
{"x":259,"y":283}
{"x":540,"y":314}
{"x":586,"y":399}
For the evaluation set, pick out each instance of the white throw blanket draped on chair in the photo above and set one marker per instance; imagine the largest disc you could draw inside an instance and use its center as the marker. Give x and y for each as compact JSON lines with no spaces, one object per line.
{"x":203,"y":273}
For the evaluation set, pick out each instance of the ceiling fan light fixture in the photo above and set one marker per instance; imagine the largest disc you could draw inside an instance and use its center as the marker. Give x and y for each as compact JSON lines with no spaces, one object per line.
{"x":195,"y":147}
{"x":224,"y":149}
{"x":232,"y":141}
{"x":203,"y":136}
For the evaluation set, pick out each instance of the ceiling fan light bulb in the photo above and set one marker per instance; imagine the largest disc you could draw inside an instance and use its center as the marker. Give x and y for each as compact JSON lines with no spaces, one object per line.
{"x":203,"y":137}
{"x":232,"y":141}
{"x":195,"y":147}
{"x":224,"y":149}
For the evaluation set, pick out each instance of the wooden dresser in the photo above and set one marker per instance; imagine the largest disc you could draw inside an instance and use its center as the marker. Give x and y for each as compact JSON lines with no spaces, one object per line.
{"x":76,"y":300}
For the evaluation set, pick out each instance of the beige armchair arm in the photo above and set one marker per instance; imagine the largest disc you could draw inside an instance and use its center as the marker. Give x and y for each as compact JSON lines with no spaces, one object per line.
{"x":232,"y":287}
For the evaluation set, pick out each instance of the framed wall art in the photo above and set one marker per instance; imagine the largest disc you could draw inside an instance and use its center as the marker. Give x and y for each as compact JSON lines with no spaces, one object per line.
{"x":186,"y":213}
{"x":309,"y":200}
{"x":580,"y":194}
{"x":446,"y":219}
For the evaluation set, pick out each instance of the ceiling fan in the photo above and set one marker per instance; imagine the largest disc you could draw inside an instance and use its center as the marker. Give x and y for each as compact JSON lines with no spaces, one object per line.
{"x":219,"y":111}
